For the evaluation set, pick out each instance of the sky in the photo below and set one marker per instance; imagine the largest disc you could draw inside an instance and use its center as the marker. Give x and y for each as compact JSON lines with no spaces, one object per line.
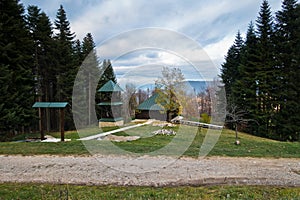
{"x":142,"y":36}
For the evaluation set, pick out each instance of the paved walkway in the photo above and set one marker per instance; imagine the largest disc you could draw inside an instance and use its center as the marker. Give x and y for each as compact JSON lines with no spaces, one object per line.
{"x":101,"y":135}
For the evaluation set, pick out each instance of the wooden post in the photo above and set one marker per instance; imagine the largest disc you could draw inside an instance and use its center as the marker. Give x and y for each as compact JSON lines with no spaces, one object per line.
{"x":41,"y":123}
{"x":90,"y":99}
{"x":62,"y":124}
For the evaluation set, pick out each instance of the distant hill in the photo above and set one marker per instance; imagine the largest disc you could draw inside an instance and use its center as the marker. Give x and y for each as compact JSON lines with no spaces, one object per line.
{"x":196,"y":86}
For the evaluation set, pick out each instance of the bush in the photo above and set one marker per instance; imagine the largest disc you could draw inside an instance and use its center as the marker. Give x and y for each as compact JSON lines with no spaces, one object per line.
{"x":205,"y":118}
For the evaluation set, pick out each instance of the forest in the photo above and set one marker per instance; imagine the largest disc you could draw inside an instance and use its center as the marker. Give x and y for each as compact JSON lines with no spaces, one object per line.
{"x":40,"y":60}
{"x":261,"y":74}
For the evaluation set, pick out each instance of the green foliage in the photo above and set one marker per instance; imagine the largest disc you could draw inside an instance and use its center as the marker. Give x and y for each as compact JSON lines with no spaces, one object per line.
{"x":106,"y":74}
{"x":287,"y":52}
{"x":86,"y":82}
{"x":45,"y":60}
{"x":262,"y":79}
{"x":229,"y":71}
{"x":170,"y":90}
{"x":17,"y":83}
{"x":66,"y":69}
{"x":205,"y":118}
{"x":38,"y":65}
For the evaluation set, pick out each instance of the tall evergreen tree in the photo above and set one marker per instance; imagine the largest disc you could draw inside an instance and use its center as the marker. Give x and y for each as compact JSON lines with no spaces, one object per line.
{"x":229,"y":71}
{"x":78,"y":54}
{"x":246,"y":86}
{"x":40,"y":29}
{"x":91,"y":68}
{"x":266,"y":73}
{"x":66,"y":69}
{"x":267,"y":85}
{"x":287,"y":56}
{"x":16,"y":69}
{"x":106,"y":74}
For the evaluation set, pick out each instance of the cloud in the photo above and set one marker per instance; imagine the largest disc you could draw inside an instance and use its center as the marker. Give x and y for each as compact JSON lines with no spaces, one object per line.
{"x":142,"y":48}
{"x":212,"y":24}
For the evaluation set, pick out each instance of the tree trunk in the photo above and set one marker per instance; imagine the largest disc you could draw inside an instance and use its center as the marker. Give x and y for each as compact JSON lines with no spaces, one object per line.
{"x":236,"y":131}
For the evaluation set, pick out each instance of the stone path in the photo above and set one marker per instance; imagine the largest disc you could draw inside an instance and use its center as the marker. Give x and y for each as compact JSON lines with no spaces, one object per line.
{"x":101,"y":135}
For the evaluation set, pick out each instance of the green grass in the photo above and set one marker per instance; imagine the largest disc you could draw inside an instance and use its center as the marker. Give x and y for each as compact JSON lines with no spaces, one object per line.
{"x":190,"y":137}
{"x":254,"y":147}
{"x":48,"y":191}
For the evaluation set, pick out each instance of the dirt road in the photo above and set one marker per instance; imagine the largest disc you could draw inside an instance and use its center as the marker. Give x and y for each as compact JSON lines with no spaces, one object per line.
{"x":122,"y":170}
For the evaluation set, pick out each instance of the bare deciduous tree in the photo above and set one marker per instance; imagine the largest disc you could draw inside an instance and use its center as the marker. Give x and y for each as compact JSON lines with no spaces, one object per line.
{"x":236,"y":116}
{"x":130,"y":101}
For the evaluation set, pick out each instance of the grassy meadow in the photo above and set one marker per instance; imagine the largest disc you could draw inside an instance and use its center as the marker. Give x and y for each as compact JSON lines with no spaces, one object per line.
{"x":48,"y":191}
{"x":190,"y":138}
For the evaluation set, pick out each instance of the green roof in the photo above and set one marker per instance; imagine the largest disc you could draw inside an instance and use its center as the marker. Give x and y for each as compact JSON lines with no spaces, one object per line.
{"x":150,"y":104}
{"x":110,"y":86}
{"x":50,"y":104}
{"x":110,"y":119}
{"x":110,"y":104}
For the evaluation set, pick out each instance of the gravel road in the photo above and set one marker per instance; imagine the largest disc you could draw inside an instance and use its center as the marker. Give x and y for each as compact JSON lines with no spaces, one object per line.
{"x":123,"y":170}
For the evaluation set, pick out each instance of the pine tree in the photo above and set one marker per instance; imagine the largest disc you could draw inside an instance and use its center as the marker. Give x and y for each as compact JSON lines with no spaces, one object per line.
{"x":266,"y":73}
{"x":106,"y":74}
{"x":247,"y":83}
{"x":78,"y":54}
{"x":16,"y":69}
{"x":229,"y":71}
{"x":287,"y":56}
{"x":40,"y":29}
{"x":66,"y":69}
{"x":267,"y":87}
{"x":91,"y":68}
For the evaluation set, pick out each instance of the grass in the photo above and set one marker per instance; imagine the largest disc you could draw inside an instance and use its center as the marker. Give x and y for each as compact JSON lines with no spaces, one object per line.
{"x":48,"y":191}
{"x":190,"y":137}
{"x":251,"y":146}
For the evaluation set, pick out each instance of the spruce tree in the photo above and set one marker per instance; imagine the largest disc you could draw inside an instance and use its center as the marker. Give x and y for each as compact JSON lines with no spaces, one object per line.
{"x":267,"y":87}
{"x":66,"y":69}
{"x":106,"y":74}
{"x":287,"y":57}
{"x":90,"y":67}
{"x":229,"y":71}
{"x":40,"y":29}
{"x":17,"y":85}
{"x":246,"y":85}
{"x":266,"y":73}
{"x":78,"y":55}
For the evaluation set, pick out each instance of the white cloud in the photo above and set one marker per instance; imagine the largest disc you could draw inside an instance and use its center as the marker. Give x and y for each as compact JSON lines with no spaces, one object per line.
{"x":218,"y":50}
{"x":212,"y":24}
{"x":161,"y":47}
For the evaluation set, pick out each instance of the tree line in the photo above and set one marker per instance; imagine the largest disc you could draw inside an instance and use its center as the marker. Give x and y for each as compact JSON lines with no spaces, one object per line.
{"x":39,"y":62}
{"x":261,"y":73}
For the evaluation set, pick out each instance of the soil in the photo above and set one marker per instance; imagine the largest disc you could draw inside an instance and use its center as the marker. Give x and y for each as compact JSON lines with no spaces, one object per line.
{"x":149,"y":171}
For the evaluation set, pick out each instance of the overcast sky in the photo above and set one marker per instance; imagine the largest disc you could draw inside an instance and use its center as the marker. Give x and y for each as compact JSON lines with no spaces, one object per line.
{"x":212,"y":24}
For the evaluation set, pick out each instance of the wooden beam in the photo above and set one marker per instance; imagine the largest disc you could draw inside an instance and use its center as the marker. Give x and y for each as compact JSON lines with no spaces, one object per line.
{"x":62,"y":124}
{"x":41,"y":116}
